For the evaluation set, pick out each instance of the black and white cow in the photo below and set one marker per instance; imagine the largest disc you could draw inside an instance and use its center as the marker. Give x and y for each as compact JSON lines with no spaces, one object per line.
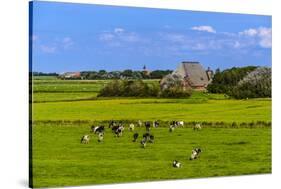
{"x":100,"y":137}
{"x":180,"y":123}
{"x":85,"y":139}
{"x":147,"y":126}
{"x":195,"y":153}
{"x":97,"y":129}
{"x":135,"y":136}
{"x":176,"y":164}
{"x":174,"y":123}
{"x":131,"y":127}
{"x":139,"y":123}
{"x":177,"y":123}
{"x":118,"y":130}
{"x":151,"y":138}
{"x":197,"y":127}
{"x":155,"y":124}
{"x":143,"y":142}
{"x":172,"y":128}
{"x":148,"y":137}
{"x":112,"y":123}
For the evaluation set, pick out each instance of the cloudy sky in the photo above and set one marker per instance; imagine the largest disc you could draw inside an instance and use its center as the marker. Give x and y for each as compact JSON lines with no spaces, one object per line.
{"x":77,"y":37}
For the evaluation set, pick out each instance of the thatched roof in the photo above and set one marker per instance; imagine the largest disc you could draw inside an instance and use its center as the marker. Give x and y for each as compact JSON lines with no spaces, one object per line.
{"x":194,"y":73}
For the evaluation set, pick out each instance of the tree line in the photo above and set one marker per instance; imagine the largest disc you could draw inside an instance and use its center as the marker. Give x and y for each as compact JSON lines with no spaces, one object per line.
{"x":126,"y":74}
{"x":241,"y":83}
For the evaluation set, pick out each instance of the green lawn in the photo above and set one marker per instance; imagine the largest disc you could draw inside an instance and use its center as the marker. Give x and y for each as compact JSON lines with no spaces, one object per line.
{"x":60,"y":160}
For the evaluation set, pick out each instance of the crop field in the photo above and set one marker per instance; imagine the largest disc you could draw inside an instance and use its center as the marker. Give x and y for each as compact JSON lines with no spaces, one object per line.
{"x":64,"y":110}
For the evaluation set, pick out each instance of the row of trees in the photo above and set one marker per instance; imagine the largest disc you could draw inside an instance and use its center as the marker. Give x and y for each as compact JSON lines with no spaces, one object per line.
{"x":139,"y":88}
{"x":44,"y":74}
{"x":223,"y":82}
{"x":245,"y":82}
{"x":126,"y":74}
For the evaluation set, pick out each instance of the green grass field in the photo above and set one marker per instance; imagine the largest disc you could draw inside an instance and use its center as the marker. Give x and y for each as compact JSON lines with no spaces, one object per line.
{"x":60,"y":160}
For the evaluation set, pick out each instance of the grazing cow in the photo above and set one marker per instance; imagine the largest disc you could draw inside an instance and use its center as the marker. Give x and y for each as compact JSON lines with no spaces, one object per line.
{"x":136,"y":135}
{"x":97,"y":129}
{"x":143,"y":142}
{"x":195,"y":153}
{"x":155,"y":124}
{"x":139,"y":123}
{"x":85,"y":139}
{"x":197,"y":127}
{"x":172,"y":128}
{"x":112,"y":123}
{"x":176,"y":164}
{"x":119,"y":131}
{"x":173,"y":123}
{"x":93,"y":128}
{"x":177,"y":123}
{"x":114,"y":128}
{"x":180,"y":123}
{"x":147,"y":126}
{"x":131,"y":127}
{"x":100,"y":137}
{"x":148,"y":137}
{"x":151,"y":139}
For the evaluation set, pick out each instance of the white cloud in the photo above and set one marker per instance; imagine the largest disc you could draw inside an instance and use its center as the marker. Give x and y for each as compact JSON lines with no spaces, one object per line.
{"x":48,"y":49}
{"x":236,"y":44}
{"x":119,"y":37}
{"x":262,"y":34}
{"x":209,"y":29}
{"x":67,"y":42}
{"x":173,"y":37}
{"x":54,"y":45}
{"x":119,"y":30}
{"x":199,"y":46}
{"x":106,"y":37}
{"x":249,"y":32}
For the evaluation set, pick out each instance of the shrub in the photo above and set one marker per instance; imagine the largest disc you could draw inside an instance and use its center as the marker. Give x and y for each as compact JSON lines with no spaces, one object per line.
{"x":175,"y":92}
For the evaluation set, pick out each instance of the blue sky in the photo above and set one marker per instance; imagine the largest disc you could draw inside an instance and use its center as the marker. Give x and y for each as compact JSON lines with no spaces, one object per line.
{"x":77,"y":37}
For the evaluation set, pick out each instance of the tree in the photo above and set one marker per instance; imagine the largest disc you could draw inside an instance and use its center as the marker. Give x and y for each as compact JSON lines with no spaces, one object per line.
{"x":256,"y":84}
{"x":173,"y":85}
{"x":223,"y":82}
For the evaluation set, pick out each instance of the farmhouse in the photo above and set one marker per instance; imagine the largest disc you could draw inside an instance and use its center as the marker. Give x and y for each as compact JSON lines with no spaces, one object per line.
{"x":70,"y":75}
{"x":194,"y":75}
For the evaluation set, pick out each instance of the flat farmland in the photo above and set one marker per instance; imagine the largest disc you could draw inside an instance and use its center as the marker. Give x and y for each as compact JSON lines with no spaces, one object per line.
{"x":64,"y":110}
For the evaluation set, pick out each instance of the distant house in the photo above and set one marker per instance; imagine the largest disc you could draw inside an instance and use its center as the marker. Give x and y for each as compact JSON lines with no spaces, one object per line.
{"x":70,"y":75}
{"x":194,"y":75}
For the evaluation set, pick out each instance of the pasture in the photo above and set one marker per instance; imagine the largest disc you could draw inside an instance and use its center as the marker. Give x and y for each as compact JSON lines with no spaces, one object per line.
{"x":60,"y":160}
{"x":63,"y":111}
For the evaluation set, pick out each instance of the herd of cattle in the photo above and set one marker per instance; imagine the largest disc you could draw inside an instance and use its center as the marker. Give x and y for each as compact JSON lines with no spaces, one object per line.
{"x":118,"y":129}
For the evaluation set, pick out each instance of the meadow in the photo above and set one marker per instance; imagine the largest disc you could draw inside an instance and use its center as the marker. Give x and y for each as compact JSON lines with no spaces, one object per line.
{"x":64,"y":110}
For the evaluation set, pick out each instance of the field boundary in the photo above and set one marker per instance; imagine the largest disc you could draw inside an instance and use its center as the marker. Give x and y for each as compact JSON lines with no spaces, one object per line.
{"x":189,"y":124}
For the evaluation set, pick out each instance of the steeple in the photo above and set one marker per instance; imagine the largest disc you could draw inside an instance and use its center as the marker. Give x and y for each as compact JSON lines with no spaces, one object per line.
{"x":144,"y":68}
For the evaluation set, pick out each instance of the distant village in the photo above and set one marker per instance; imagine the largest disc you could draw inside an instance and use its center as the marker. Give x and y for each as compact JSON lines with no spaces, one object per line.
{"x":193,"y":74}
